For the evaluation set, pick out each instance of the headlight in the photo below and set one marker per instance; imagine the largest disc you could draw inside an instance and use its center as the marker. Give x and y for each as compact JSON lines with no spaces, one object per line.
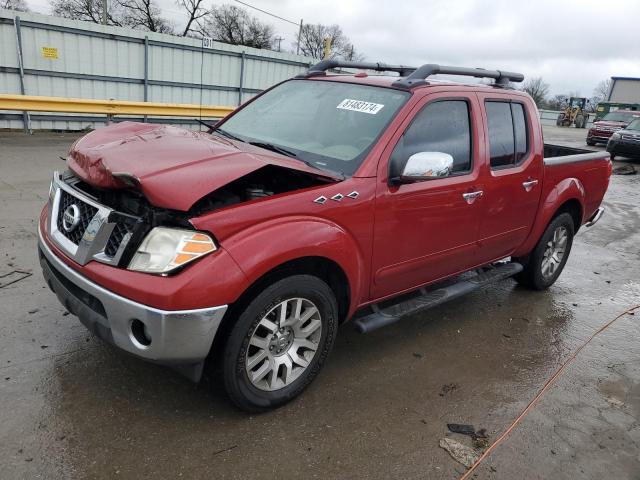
{"x":616,"y":136}
{"x":165,"y":249}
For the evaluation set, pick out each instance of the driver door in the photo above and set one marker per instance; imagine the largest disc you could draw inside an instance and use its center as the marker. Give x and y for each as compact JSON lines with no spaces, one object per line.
{"x":427,"y":230}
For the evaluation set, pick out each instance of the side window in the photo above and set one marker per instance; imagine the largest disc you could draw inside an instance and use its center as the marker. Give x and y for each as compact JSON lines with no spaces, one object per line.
{"x":441,"y":126}
{"x":508,"y":139}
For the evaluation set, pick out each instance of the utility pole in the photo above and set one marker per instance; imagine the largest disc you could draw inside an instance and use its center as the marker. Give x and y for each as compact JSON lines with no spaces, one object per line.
{"x":278,"y":39}
{"x":299,"y":38}
{"x":104,"y":12}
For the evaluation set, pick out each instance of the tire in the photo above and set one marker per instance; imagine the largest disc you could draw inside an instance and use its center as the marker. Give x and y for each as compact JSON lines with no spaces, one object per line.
{"x":612,"y":155}
{"x":591,"y":143}
{"x":579,"y":121}
{"x":256,"y":338}
{"x":540,"y":271}
{"x":560,"y":119}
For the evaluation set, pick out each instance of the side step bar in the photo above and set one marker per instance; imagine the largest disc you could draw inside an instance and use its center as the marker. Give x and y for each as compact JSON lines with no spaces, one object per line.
{"x":388,"y":315}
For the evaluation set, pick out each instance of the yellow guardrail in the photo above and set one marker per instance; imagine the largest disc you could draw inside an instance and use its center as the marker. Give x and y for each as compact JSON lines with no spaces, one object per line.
{"x":32,"y":103}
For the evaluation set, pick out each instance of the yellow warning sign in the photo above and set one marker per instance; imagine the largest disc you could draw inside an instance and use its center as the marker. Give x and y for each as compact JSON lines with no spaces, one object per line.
{"x":50,"y":52}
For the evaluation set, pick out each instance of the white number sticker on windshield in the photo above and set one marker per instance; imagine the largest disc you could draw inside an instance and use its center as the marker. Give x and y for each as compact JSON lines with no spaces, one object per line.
{"x":360,"y":106}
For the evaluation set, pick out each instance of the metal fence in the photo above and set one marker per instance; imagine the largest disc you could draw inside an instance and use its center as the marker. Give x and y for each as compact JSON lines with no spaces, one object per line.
{"x":49,"y":56}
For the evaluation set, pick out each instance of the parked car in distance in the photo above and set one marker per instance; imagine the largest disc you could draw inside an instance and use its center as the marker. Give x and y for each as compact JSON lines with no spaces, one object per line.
{"x":626,"y":141}
{"x":326,"y":198}
{"x":601,"y":130}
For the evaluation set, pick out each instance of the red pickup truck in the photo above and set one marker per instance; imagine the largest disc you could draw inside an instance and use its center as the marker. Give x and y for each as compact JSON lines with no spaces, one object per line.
{"x":326,"y":198}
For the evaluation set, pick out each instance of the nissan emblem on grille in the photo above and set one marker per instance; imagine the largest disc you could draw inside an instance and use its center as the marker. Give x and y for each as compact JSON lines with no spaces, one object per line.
{"x":71,"y":218}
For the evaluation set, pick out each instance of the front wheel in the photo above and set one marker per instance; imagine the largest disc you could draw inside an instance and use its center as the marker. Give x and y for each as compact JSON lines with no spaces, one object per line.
{"x":548,"y":258}
{"x":280,"y":342}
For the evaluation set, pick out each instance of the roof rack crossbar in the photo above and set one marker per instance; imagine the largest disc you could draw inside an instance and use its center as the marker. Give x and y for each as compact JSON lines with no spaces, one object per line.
{"x":420,"y":75}
{"x":321,"y":68}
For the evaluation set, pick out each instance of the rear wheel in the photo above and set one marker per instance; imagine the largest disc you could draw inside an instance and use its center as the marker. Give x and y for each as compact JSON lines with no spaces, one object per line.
{"x":279,"y":343}
{"x":548,"y":258}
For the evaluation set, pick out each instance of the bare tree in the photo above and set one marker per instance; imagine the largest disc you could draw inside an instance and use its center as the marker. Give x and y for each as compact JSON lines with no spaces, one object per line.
{"x":311,"y":40}
{"x":231,"y":24}
{"x":87,"y":10}
{"x":557,"y":102}
{"x":143,"y":15}
{"x":18,"y":5}
{"x":537,"y":88}
{"x":195,"y":11}
{"x":140,"y":14}
{"x":601,"y":92}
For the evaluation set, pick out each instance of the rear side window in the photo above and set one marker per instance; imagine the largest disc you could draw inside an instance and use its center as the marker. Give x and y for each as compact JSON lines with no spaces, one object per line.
{"x":441,"y":126}
{"x":508,"y":139}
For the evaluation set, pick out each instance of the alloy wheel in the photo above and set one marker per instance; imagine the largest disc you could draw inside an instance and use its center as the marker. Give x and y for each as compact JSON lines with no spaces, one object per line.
{"x":283,"y":344}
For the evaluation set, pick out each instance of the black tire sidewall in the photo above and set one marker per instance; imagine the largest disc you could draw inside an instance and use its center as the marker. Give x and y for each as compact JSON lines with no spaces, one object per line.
{"x":238,"y":386}
{"x":535,"y":262}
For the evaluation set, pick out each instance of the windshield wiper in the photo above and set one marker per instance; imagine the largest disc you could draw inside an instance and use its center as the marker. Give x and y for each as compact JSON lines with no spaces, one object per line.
{"x":208,"y":125}
{"x":224,"y":133}
{"x":274,"y":148}
{"x":289,"y":153}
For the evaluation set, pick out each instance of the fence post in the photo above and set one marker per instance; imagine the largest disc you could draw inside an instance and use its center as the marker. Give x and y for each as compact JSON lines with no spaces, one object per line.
{"x":146,"y":71}
{"x":26,"y":120}
{"x":241,"y":78}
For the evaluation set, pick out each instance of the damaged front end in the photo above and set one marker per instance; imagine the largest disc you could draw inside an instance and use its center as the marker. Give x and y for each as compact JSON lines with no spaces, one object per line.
{"x":105,"y":225}
{"x":127,"y":180}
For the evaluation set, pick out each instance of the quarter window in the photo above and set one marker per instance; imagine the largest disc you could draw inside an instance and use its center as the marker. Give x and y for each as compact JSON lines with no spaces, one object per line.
{"x":508,"y":139}
{"x":441,"y":126}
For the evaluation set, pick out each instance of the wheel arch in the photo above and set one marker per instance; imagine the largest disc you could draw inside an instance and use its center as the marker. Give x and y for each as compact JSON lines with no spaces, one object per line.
{"x":566,"y":197}
{"x":322,"y":267}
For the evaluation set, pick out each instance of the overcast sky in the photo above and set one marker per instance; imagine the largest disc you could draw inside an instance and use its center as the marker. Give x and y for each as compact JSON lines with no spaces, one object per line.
{"x":571,"y":44}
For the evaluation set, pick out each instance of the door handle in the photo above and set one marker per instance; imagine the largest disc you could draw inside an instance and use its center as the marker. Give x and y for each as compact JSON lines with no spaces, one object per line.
{"x":471,"y":196}
{"x":529,"y":184}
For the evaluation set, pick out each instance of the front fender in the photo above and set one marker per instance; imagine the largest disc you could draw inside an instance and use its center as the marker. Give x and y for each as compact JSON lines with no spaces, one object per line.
{"x":293,"y":237}
{"x":562,"y":192}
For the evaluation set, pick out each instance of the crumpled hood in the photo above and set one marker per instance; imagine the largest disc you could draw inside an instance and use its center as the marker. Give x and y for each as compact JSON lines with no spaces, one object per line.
{"x":172,"y":166}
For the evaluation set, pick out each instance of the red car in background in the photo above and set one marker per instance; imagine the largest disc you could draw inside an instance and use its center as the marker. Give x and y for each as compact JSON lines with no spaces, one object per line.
{"x":611,"y":122}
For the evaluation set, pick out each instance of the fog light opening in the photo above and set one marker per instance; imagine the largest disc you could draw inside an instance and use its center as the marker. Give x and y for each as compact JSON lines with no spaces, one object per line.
{"x":140,"y":333}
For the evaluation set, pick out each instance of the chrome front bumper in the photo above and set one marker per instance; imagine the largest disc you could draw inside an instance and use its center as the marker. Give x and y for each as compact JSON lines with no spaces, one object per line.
{"x":180,"y":338}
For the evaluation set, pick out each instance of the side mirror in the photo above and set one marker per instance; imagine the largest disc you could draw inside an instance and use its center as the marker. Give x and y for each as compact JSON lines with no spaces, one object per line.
{"x":426,"y":166}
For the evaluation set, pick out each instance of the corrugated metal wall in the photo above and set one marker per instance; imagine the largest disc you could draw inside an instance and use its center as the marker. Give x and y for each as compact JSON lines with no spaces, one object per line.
{"x":96,"y":61}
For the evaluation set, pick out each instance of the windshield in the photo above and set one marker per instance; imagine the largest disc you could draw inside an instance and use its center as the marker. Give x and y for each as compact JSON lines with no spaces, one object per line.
{"x":635,"y":125}
{"x":618,"y":117}
{"x":329,"y":125}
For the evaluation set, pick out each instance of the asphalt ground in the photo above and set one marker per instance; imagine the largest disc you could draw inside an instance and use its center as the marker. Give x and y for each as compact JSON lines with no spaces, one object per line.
{"x":72,"y":406}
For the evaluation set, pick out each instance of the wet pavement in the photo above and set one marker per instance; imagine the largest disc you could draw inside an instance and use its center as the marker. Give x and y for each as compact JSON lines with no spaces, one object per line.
{"x":74,"y":407}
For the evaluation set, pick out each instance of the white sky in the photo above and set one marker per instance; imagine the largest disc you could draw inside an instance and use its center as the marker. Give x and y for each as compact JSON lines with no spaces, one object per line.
{"x":572,"y":44}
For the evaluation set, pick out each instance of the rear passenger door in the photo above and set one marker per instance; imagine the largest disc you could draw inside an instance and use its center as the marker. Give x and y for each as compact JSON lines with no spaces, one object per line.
{"x":512,"y":177}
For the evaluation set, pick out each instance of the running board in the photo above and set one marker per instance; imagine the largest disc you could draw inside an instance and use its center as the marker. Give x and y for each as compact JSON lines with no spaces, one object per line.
{"x":393,"y":313}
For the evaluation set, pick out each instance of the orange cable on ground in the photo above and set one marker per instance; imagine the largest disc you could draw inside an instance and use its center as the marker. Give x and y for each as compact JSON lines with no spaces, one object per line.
{"x":549,"y":383}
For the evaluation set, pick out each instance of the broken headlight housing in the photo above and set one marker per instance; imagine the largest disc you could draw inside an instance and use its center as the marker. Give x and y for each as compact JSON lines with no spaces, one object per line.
{"x":166,"y":249}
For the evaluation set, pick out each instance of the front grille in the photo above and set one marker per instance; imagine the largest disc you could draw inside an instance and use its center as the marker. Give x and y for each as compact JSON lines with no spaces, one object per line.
{"x":115,"y":240}
{"x":87,"y":212}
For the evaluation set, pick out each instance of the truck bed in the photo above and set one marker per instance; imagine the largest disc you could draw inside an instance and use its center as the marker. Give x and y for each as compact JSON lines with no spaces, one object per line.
{"x":559,"y":154}
{"x":586,"y":167}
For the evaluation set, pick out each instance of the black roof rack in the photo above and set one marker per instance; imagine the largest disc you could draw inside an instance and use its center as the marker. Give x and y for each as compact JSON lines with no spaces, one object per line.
{"x":414,"y":76}
{"x":420,"y":75}
{"x":321,"y":68}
